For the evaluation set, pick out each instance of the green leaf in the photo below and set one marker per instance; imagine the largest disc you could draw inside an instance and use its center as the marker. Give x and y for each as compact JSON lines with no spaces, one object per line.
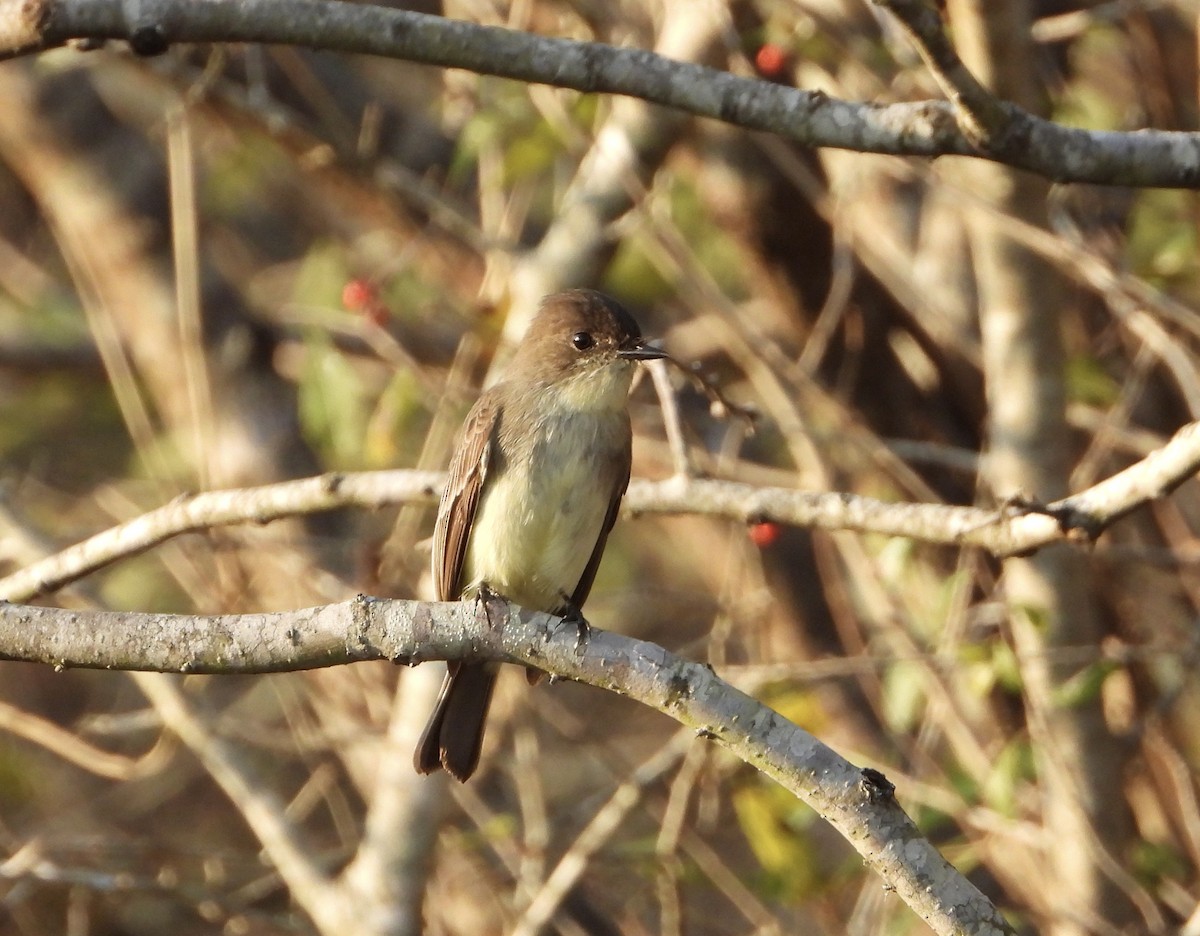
{"x":1011,"y":769}
{"x":903,"y":694}
{"x":332,"y":402}
{"x":397,"y":423}
{"x":1088,"y":382}
{"x":322,"y":274}
{"x":775,"y":826}
{"x":1085,"y":685}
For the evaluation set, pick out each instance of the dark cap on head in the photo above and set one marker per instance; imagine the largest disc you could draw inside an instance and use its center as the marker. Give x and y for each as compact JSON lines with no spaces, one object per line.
{"x":577,"y":325}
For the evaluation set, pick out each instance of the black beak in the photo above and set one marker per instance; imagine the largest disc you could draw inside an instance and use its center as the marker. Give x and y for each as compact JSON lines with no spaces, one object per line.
{"x":641,"y":352}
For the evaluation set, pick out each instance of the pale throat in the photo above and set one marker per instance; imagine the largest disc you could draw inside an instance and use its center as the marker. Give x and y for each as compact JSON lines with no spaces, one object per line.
{"x":600,"y":388}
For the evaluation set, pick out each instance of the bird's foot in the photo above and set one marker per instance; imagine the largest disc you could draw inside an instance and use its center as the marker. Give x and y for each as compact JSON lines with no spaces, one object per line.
{"x":491,"y":601}
{"x":574,"y":616}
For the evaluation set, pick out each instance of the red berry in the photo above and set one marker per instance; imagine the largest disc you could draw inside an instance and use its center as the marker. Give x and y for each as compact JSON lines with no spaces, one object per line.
{"x":770,"y":60}
{"x":358,"y":295}
{"x":764,"y":533}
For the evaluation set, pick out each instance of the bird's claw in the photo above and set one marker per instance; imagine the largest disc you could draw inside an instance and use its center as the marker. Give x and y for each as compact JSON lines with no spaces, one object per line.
{"x":485,"y":598}
{"x":583,"y":628}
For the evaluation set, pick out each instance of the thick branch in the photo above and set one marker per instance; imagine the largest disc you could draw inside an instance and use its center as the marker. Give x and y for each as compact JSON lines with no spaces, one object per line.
{"x":925,"y":128}
{"x":860,"y":805}
{"x":1002,"y":533}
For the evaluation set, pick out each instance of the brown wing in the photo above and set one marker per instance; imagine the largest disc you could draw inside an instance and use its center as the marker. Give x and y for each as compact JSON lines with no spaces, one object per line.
{"x":620,"y":483}
{"x":456,"y":512}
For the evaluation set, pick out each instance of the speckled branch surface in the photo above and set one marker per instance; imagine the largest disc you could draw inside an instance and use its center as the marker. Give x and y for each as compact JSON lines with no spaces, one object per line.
{"x":858,"y":803}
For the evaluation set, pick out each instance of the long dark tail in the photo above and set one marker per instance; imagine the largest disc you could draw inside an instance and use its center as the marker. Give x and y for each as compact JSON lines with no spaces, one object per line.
{"x":453,"y":737}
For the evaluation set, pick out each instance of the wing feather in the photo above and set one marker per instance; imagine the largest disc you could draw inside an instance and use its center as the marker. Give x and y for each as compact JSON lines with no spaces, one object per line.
{"x":619,"y":469}
{"x":460,"y":497}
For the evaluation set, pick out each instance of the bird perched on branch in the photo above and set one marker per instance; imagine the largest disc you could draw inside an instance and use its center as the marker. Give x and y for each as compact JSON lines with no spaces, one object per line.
{"x":533,"y":491}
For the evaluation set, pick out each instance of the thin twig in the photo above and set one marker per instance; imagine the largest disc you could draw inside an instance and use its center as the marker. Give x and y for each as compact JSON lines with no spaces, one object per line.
{"x":596,"y":833}
{"x":672,"y":423}
{"x":981,"y":116}
{"x":70,"y":747}
{"x":263,"y":812}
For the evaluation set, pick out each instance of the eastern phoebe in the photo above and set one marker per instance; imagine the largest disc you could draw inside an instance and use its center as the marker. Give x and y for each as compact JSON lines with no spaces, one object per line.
{"x":533,"y":490}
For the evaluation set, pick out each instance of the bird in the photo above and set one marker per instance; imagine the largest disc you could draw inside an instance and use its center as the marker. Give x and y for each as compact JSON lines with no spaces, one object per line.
{"x":533,"y":489}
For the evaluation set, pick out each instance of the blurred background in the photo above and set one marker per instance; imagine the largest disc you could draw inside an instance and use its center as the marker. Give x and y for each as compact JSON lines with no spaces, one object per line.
{"x":230,"y":266}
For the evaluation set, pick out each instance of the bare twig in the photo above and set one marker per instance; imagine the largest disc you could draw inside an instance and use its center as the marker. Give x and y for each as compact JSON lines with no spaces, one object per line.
{"x":388,"y":873}
{"x":263,"y":812}
{"x":595,"y":834}
{"x":980,"y":115}
{"x":71,"y":747}
{"x":615,"y":174}
{"x":672,"y":424}
{"x":719,"y":404}
{"x":187,"y":514}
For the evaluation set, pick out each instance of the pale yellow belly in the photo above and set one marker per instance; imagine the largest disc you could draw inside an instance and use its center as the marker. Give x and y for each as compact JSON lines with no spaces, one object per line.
{"x":532,"y":542}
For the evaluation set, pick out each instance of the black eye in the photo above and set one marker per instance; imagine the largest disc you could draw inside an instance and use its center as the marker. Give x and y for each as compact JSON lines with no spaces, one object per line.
{"x":582,"y":341}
